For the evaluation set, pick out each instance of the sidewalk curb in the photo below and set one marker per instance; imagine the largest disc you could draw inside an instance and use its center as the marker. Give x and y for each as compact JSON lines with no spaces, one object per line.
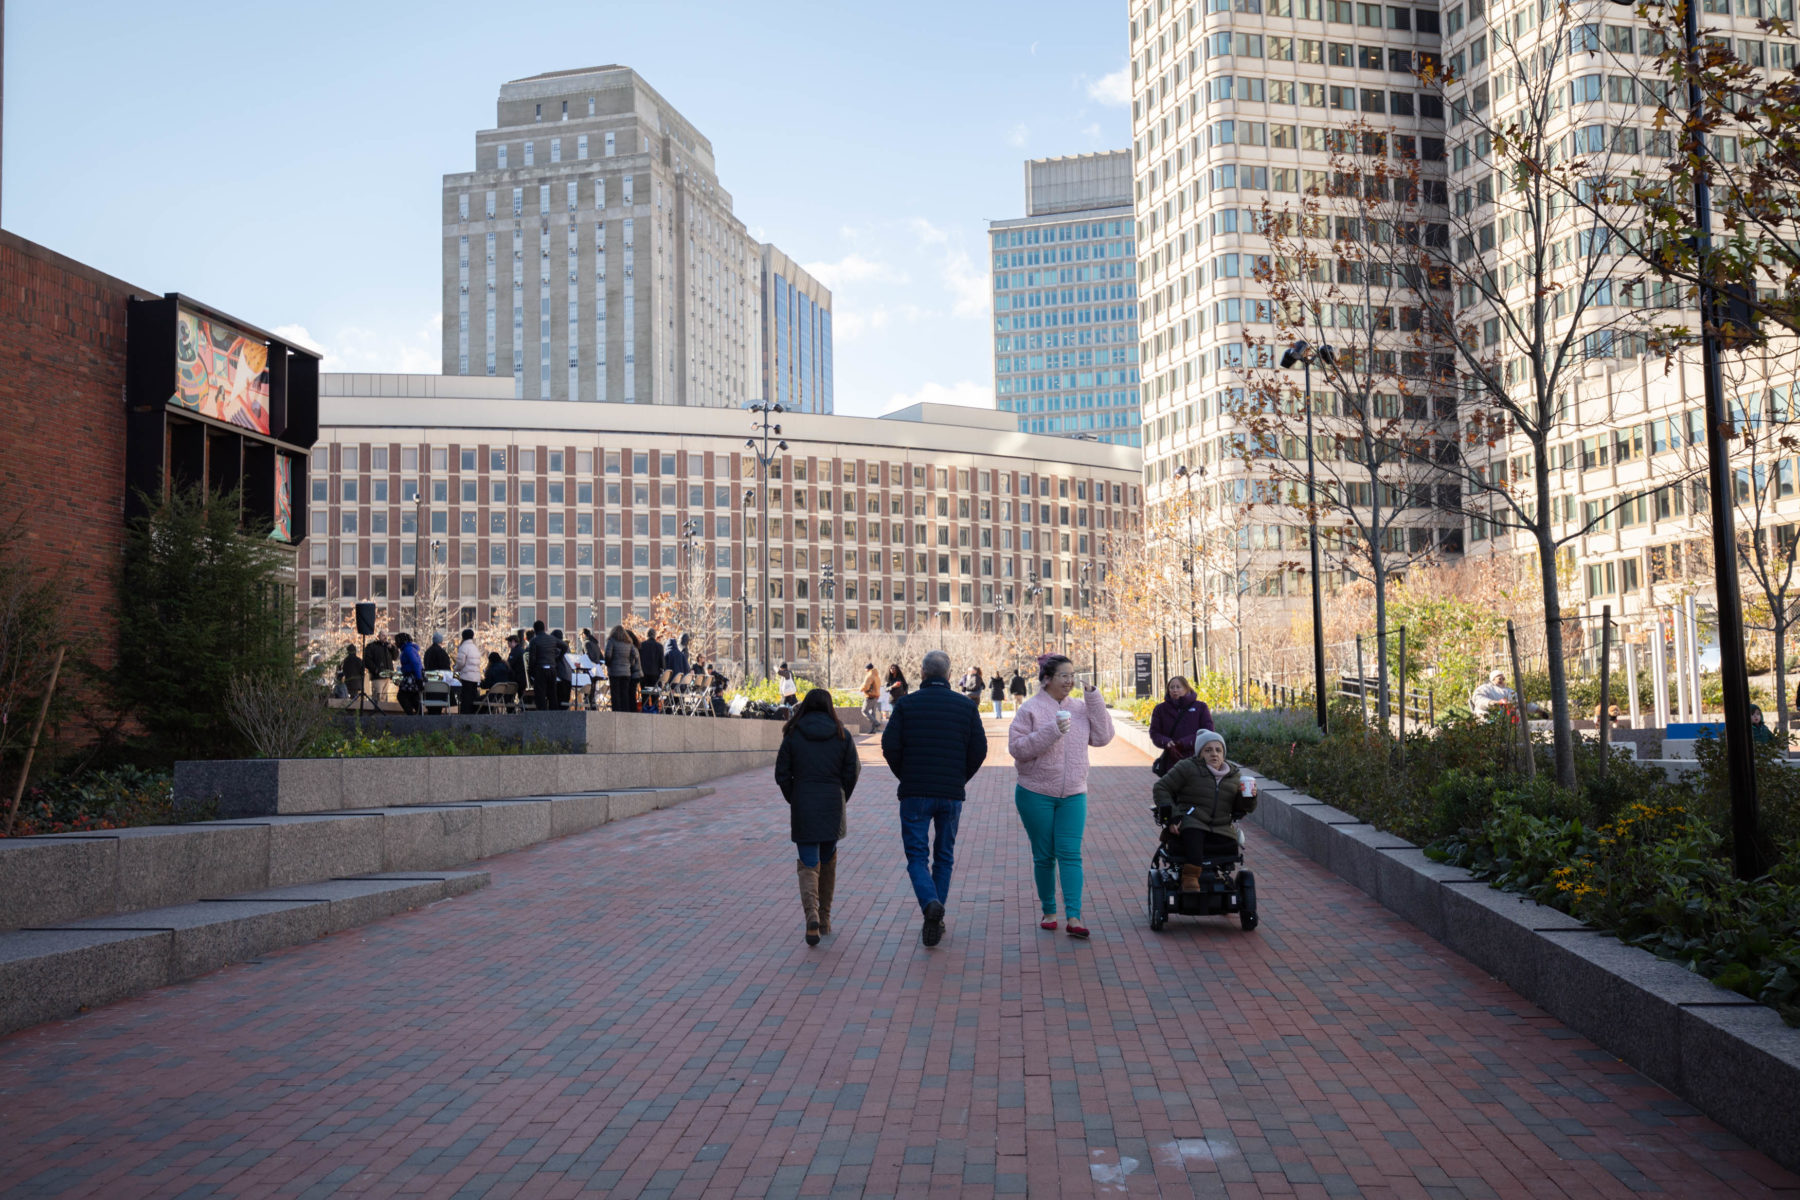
{"x":1728,"y":1056}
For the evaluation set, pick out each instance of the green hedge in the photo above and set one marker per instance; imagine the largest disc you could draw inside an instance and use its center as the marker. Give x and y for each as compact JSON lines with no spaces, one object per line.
{"x":1634,"y":855}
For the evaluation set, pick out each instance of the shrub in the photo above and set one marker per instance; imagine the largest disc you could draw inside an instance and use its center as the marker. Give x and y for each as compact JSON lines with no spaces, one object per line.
{"x":355,"y":743}
{"x":200,"y":604}
{"x":109,"y":799}
{"x":277,"y":713}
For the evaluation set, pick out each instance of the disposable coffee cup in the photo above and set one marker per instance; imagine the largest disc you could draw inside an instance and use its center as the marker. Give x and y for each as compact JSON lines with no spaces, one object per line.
{"x":1063,"y":714}
{"x":1247,"y":787}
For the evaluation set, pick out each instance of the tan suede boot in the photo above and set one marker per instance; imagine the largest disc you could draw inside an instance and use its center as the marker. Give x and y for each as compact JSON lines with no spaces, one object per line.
{"x":1190,"y":878}
{"x":809,"y":900}
{"x":827,"y":884}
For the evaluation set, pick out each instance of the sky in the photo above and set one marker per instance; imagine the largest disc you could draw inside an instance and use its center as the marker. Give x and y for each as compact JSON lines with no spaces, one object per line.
{"x":285,"y":162}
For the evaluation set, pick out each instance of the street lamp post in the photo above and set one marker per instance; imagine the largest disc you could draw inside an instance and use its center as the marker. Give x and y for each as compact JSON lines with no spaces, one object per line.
{"x":418,"y":560}
{"x":765,"y":456}
{"x":1086,"y":596}
{"x":1182,"y":473}
{"x":1035,"y":591}
{"x":1304,"y":354}
{"x":690,"y":542}
{"x":828,"y":585}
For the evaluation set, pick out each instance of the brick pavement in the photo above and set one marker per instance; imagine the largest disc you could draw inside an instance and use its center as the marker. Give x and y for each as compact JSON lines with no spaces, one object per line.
{"x":632,"y":1012}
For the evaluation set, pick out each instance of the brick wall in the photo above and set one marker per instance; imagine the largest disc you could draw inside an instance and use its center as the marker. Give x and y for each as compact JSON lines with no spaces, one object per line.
{"x":62,"y":425}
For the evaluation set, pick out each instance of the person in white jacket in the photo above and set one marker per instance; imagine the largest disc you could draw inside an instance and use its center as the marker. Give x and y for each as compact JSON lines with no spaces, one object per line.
{"x":468,"y":670}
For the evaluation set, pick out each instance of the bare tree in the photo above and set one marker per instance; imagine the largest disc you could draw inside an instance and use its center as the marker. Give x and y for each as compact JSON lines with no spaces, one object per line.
{"x":1346,"y":266}
{"x":1535,"y":292}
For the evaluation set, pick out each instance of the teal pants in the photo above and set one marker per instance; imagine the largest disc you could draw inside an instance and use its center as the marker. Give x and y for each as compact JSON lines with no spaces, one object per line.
{"x":1055,"y":825}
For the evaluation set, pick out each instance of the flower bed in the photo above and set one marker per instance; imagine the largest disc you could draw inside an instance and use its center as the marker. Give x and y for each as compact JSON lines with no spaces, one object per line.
{"x":1637,"y":856}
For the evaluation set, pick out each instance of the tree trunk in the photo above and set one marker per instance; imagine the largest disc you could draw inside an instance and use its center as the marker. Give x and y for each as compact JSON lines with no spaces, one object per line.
{"x":1779,"y":621}
{"x":1561,"y":728}
{"x":1383,"y":706}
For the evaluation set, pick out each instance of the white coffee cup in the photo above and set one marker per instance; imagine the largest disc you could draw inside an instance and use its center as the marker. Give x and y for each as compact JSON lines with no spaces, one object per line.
{"x":1247,"y":787}
{"x":1063,"y":717}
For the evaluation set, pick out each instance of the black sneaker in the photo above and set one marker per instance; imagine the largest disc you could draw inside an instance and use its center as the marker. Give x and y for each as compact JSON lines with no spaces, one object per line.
{"x":933,"y":932}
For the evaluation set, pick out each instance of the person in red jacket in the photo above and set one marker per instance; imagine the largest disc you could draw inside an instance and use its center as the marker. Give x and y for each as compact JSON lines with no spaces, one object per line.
{"x":1175,"y":722}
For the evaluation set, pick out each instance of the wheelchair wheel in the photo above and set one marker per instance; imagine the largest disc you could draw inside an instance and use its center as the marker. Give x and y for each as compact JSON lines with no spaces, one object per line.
{"x":1246,"y":900}
{"x":1159,"y":902}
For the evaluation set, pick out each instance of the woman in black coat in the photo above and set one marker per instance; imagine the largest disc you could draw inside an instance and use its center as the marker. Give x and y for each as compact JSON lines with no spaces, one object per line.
{"x":816,"y":771}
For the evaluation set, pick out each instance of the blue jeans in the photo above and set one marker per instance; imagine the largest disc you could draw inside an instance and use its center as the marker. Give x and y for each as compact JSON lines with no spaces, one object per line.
{"x":811,"y":853}
{"x":1055,"y":825}
{"x":917,"y":816}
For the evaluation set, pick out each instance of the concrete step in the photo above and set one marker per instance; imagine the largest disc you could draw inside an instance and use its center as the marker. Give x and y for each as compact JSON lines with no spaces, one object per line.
{"x":59,"y":970}
{"x":48,"y":881}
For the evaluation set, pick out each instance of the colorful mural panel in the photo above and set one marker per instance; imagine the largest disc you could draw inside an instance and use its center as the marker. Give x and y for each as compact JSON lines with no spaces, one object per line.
{"x":221,"y":372}
{"x":284,"y":499}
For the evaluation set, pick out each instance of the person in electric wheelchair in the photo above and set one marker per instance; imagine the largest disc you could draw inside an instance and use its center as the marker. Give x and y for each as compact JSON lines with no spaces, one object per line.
{"x":1198,"y":803}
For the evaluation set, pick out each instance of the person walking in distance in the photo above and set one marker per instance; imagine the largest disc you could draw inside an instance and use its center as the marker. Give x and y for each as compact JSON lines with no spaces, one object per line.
{"x":789,"y":689}
{"x":1017,"y":688}
{"x":816,"y":771}
{"x":1049,"y":740}
{"x":871,"y":690}
{"x":412,"y":674}
{"x":934,"y":744}
{"x":997,"y":691}
{"x":1175,"y":722}
{"x":541,"y":653}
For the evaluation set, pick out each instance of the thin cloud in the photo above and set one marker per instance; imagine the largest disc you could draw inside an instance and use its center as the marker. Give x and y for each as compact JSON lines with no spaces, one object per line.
{"x":853,"y":268}
{"x":297,"y":335}
{"x":1111,"y":89}
{"x":419,"y":352}
{"x":968,"y":285}
{"x":1019,"y":134}
{"x":926,"y":232}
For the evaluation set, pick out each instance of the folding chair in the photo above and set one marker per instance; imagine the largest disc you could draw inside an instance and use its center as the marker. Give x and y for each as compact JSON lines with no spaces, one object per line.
{"x":502,"y":697}
{"x":434,"y":694}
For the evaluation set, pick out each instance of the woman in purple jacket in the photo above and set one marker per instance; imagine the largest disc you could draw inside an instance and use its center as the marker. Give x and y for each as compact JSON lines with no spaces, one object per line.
{"x":1175,"y":722}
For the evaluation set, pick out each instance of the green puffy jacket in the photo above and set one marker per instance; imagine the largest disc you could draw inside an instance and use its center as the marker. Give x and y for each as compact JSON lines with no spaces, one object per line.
{"x":1190,"y":792}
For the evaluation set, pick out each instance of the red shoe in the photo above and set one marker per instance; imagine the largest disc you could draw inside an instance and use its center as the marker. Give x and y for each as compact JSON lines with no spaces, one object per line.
{"x":1078,"y":930}
{"x":1048,"y":923}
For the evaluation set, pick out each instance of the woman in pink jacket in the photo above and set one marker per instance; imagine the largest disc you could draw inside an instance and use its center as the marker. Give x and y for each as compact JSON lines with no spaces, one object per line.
{"x":1049,"y":743}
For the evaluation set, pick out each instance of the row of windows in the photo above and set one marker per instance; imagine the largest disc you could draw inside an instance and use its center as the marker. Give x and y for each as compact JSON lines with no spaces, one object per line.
{"x":504,"y":159}
{"x":351,"y":457}
{"x":1082,"y":231}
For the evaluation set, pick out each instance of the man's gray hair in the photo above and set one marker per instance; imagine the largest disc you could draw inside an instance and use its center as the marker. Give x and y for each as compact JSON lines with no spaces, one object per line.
{"x":936,"y":665}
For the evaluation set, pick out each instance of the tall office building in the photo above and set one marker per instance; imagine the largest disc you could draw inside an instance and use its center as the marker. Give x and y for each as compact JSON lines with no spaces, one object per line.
{"x":1234,"y":105}
{"x":592,"y":255}
{"x":1065,"y":301}
{"x":796,"y":335}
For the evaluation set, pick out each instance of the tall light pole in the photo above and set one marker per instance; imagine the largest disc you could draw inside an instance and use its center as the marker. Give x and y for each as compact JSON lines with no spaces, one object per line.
{"x":690,"y":541}
{"x":1302,"y":353}
{"x":1086,"y":596}
{"x":1740,"y":760}
{"x":828,"y":586}
{"x":418,"y":558}
{"x":1187,"y":562}
{"x":765,"y":457}
{"x":1035,"y":591}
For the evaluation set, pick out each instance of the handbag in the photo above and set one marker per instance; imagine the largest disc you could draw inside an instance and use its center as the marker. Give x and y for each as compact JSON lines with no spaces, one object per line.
{"x":1164,"y":761}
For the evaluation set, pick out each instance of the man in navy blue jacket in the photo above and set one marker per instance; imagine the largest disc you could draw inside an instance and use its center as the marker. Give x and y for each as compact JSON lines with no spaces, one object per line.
{"x":934,"y":743}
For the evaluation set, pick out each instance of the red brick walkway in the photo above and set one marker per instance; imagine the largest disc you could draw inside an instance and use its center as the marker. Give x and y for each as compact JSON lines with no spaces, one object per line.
{"x":632,"y":1012}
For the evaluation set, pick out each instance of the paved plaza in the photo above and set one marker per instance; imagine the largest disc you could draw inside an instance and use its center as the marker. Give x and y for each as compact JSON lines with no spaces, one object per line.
{"x":632,"y":1012}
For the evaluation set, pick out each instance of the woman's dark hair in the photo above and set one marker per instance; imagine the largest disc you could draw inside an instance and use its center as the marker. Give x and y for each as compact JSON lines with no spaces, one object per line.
{"x":468,"y":635}
{"x":979,"y":677}
{"x":349,"y":652}
{"x":494,"y":659}
{"x":895,"y":674}
{"x":403,"y":638}
{"x":816,"y":700}
{"x":1047,"y":665}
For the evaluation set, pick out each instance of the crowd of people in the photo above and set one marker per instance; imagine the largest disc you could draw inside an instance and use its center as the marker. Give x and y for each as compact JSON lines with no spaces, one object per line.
{"x":934,"y":741}
{"x":539,"y":668}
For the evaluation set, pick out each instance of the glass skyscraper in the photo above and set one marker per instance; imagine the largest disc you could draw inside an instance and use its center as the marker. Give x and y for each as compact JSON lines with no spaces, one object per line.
{"x":1065,"y":301}
{"x":796,"y":336}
